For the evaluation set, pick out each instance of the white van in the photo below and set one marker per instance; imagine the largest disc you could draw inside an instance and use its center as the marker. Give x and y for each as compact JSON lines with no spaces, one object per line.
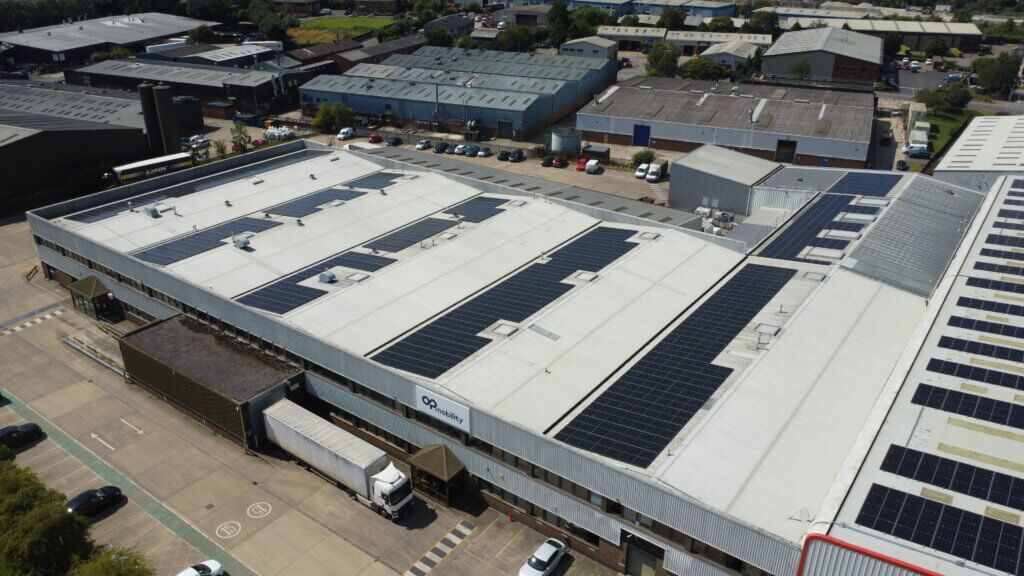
{"x":916,"y":151}
{"x":593,"y":166}
{"x":346,"y":134}
{"x":656,"y":171}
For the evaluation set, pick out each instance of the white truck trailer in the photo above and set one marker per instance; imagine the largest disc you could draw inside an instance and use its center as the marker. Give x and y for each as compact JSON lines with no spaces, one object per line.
{"x":358,"y":467}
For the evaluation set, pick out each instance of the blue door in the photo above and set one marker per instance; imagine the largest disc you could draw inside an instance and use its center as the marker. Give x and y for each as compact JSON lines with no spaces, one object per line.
{"x":641,"y":135}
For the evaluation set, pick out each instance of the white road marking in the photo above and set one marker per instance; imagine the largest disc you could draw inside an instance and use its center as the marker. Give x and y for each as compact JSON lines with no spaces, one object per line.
{"x":129,"y":424}
{"x":97,"y":438}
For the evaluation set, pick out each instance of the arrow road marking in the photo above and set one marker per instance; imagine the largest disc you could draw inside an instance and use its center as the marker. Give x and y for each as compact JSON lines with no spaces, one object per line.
{"x":97,"y":438}
{"x":129,"y":424}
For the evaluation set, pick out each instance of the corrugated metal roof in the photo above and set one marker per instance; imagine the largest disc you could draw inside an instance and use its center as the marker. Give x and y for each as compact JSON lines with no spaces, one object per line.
{"x":504,"y":69}
{"x":696,"y":36}
{"x":833,"y":40}
{"x":11,"y":134}
{"x":627,"y":32}
{"x":735,"y":48}
{"x":395,"y":45}
{"x":311,"y":53}
{"x":232,"y":52}
{"x":196,"y":74}
{"x":728,"y":164}
{"x":120,"y":30}
{"x":419,"y":92}
{"x":71,"y":105}
{"x":532,"y":58}
{"x":467,"y":79}
{"x":882,"y":26}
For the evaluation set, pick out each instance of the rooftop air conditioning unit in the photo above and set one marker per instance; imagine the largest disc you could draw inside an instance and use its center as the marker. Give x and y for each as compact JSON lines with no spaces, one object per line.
{"x":327,"y":277}
{"x":241,"y":242}
{"x":152,"y":212}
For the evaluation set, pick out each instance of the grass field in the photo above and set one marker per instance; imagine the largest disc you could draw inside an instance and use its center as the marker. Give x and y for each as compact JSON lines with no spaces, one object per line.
{"x":944,"y":126}
{"x":323,"y":30}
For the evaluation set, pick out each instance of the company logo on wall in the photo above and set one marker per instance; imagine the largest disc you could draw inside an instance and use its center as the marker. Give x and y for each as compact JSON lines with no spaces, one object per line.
{"x":443,"y":409}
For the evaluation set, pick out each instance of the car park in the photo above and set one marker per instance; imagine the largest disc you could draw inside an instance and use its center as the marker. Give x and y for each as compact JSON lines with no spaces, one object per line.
{"x":517,"y":155}
{"x":423,"y":145}
{"x":544,"y":560}
{"x":461,"y":149}
{"x":472,"y":151}
{"x":581,"y":164}
{"x":204,"y":568}
{"x":641,"y":171}
{"x":484,"y":153}
{"x":503,"y":155}
{"x":394,"y":141}
{"x":93,"y":502}
{"x":559,"y":162}
{"x":547,"y":161}
{"x":375,"y":138}
{"x":346,"y":134}
{"x":15,"y":437}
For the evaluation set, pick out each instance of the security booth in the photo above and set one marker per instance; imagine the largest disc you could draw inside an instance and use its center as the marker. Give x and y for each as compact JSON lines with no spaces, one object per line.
{"x":438,"y":472}
{"x":91,"y":297}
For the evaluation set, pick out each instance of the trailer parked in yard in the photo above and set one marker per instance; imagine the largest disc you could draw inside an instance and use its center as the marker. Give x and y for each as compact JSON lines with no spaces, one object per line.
{"x":358,"y":467}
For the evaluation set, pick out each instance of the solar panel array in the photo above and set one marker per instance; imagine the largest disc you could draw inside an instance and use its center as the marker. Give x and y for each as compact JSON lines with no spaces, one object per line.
{"x":980,"y":407}
{"x":990,"y":306}
{"x":375,"y":181}
{"x":986,"y":326}
{"x":634,"y":419}
{"x":804,"y":231}
{"x":1008,"y":225}
{"x":477,"y":209}
{"x":411,"y":235}
{"x":996,"y":285}
{"x":990,"y":350}
{"x":1015,"y":241}
{"x":866,"y":184}
{"x":948,"y":529}
{"x":1002,"y":254}
{"x":306,"y":205}
{"x":976,"y":373}
{"x":948,"y":474}
{"x":287,"y":294}
{"x":201,"y":241}
{"x":1018,"y":214}
{"x":448,"y":340}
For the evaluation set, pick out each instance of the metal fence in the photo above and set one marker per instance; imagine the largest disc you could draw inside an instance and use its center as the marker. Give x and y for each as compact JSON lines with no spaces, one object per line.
{"x":411,"y":135}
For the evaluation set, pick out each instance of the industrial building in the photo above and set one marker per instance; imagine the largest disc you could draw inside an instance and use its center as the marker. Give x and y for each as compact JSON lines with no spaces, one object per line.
{"x":988,"y":147}
{"x":694,"y":42}
{"x":832,"y":55}
{"x":718,"y":178}
{"x":531,"y":15}
{"x":962,"y":36}
{"x":260,"y":91}
{"x":456,"y":25}
{"x":70,"y":43}
{"x":632,"y":37}
{"x":793,"y":125}
{"x":730,"y":54}
{"x":243,"y":56}
{"x":378,"y":52}
{"x":320,"y":52}
{"x":702,"y":8}
{"x":591,"y":47}
{"x":665,"y":400}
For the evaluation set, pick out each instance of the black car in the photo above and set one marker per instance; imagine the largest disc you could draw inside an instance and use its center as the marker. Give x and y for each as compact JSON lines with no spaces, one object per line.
{"x":18,"y":436}
{"x":547,"y":161}
{"x":901,"y":165}
{"x":93,"y":502}
{"x":517,"y":155}
{"x":394,"y":141}
{"x":440,"y":147}
{"x":503,"y":155}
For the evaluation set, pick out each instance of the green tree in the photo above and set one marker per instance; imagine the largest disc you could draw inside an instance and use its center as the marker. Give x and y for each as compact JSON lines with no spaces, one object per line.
{"x":438,"y":37}
{"x":201,"y":35}
{"x":936,"y":47}
{"x":891,"y":43}
{"x":221,"y":148}
{"x":846,"y":26}
{"x":721,"y":24}
{"x":37,"y":535}
{"x":800,"y":69}
{"x":703,"y":69}
{"x":948,"y":99}
{"x":115,"y":54}
{"x":216,"y":10}
{"x":997,"y":75}
{"x":515,"y":39}
{"x":465,"y":42}
{"x":630,"y":20}
{"x":643,"y":157}
{"x":6,"y":454}
{"x":672,"y":18}
{"x":796,"y":27}
{"x":240,"y":139}
{"x":333,"y":116}
{"x":558,"y":23}
{"x":762,"y":23}
{"x":663,"y":60}
{"x":114,"y":561}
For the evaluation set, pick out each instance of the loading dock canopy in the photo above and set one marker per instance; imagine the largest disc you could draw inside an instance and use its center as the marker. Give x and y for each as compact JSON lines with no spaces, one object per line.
{"x":89,"y":287}
{"x":438,"y":461}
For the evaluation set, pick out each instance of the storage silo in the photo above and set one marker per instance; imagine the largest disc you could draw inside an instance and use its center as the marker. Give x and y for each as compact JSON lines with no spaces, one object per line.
{"x":566,"y":141}
{"x":163,"y":98}
{"x":153,"y":138}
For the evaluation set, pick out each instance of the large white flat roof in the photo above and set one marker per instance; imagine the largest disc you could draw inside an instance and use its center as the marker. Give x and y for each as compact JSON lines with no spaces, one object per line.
{"x":988,"y":144}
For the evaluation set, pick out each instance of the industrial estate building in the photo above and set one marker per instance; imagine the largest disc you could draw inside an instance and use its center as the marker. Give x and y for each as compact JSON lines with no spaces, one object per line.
{"x":73,"y":42}
{"x":243,"y":56}
{"x":251,"y":90}
{"x":795,"y":125}
{"x":831,"y":55}
{"x":731,"y":54}
{"x":822,"y":402}
{"x":378,"y":52}
{"x":529,"y":15}
{"x":590,"y":46}
{"x":989,"y":147}
{"x":962,"y":36}
{"x":691,"y":42}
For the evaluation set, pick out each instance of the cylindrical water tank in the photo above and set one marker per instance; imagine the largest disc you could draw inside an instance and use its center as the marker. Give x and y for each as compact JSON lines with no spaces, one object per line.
{"x":163,"y":97}
{"x":566,"y":141}
{"x":156,"y":145}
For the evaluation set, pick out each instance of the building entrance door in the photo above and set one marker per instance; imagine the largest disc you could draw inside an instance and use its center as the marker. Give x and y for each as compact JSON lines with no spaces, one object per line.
{"x":641,"y":135}
{"x":504,"y":128}
{"x":639,"y":562}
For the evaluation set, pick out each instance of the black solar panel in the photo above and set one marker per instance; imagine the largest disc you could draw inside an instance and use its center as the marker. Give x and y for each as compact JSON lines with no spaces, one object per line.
{"x":961,"y":477}
{"x":376,"y":181}
{"x":845,"y":226}
{"x":856,"y":209}
{"x":865,"y":184}
{"x":1002,"y":254}
{"x":990,"y":306}
{"x":1008,"y":226}
{"x":1017,"y":184}
{"x":996,"y":285}
{"x":307,"y":205}
{"x":1018,"y":214}
{"x":982,"y":349}
{"x":1000,"y":268}
{"x":1001,"y":240}
{"x":287,"y":294}
{"x":980,"y":407}
{"x":478,"y":209}
{"x":634,"y":419}
{"x":950,"y":530}
{"x":986,"y":326}
{"x":804,"y":230}
{"x":448,"y":340}
{"x":1016,"y":193}
{"x":1011,"y":202}
{"x":411,"y":235}
{"x":976,"y":373}
{"x":202,"y":241}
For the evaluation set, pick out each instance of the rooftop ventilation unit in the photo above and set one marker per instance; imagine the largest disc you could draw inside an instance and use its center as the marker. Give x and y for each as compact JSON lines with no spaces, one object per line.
{"x":327,"y":277}
{"x":152,"y":212}
{"x":241,"y":242}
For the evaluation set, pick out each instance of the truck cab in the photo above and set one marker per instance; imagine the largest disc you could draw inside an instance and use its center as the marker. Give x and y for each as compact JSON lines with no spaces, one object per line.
{"x":392,"y":492}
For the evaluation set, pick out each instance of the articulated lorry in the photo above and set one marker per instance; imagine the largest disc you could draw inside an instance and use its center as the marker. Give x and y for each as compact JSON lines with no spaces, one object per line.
{"x":358,"y":467}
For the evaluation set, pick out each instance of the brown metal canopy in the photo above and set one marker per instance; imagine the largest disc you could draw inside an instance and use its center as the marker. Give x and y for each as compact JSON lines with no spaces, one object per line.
{"x":88,"y":287}
{"x":438,"y":461}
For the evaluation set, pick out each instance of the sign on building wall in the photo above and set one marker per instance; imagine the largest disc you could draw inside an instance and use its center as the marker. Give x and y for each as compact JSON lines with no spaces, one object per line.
{"x":443,"y":409}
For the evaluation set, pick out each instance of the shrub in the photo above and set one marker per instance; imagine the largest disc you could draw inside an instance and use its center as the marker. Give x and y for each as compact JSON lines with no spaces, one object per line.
{"x":643,"y":157}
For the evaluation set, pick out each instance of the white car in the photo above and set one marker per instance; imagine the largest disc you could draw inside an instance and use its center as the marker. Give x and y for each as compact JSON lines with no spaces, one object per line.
{"x":346,"y":134}
{"x":461,"y":149}
{"x":423,"y":145}
{"x":641,"y":170}
{"x":544,"y":560}
{"x":928,"y":62}
{"x":204,"y":568}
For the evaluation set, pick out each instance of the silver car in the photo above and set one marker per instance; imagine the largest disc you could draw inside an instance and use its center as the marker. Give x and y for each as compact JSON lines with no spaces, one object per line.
{"x":545,"y":559}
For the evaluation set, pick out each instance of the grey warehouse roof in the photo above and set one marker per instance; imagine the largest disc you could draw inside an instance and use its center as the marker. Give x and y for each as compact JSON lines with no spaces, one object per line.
{"x":595,"y":40}
{"x":729,"y":164}
{"x":196,"y":74}
{"x":466,"y":79}
{"x":400,"y":90}
{"x":735,"y":48}
{"x":71,"y":105}
{"x":551,"y":60}
{"x":833,"y":40}
{"x":989,"y":143}
{"x":232,"y":52}
{"x":505,"y":69}
{"x":120,"y":30}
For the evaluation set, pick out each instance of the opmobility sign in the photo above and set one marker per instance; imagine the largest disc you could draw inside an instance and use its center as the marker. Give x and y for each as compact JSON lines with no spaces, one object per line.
{"x":443,"y":409}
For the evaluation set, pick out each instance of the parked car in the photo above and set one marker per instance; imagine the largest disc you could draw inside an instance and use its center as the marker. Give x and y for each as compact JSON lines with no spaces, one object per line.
{"x":641,"y":171}
{"x":547,"y":161}
{"x":461,"y":149}
{"x":885,"y":137}
{"x":544,"y":560}
{"x":484,"y":153}
{"x":472,"y":151}
{"x":906,"y":60}
{"x":915,"y":66}
{"x":656,"y":171}
{"x":559,"y":162}
{"x":984,"y":49}
{"x":204,"y":568}
{"x":901,"y":165}
{"x":440,"y":147}
{"x":423,"y":145}
{"x":503,"y":155}
{"x":517,"y":155}
{"x":928,"y":62}
{"x":196,"y":142}
{"x":346,"y":134}
{"x":916,"y":151}
{"x":17,"y":436}
{"x":451,"y":149}
{"x":325,"y":11}
{"x":375,"y":138}
{"x":92,"y":502}
{"x":581,"y":164}
{"x":594,"y":166}
{"x":259,"y":142}
{"x":394,"y":141}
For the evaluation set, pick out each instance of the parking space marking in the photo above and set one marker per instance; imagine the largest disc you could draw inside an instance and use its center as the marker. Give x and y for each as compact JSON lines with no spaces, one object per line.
{"x":435,"y":555}
{"x":26,"y":461}
{"x":163,"y":514}
{"x":31,"y":323}
{"x":30,"y":314}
